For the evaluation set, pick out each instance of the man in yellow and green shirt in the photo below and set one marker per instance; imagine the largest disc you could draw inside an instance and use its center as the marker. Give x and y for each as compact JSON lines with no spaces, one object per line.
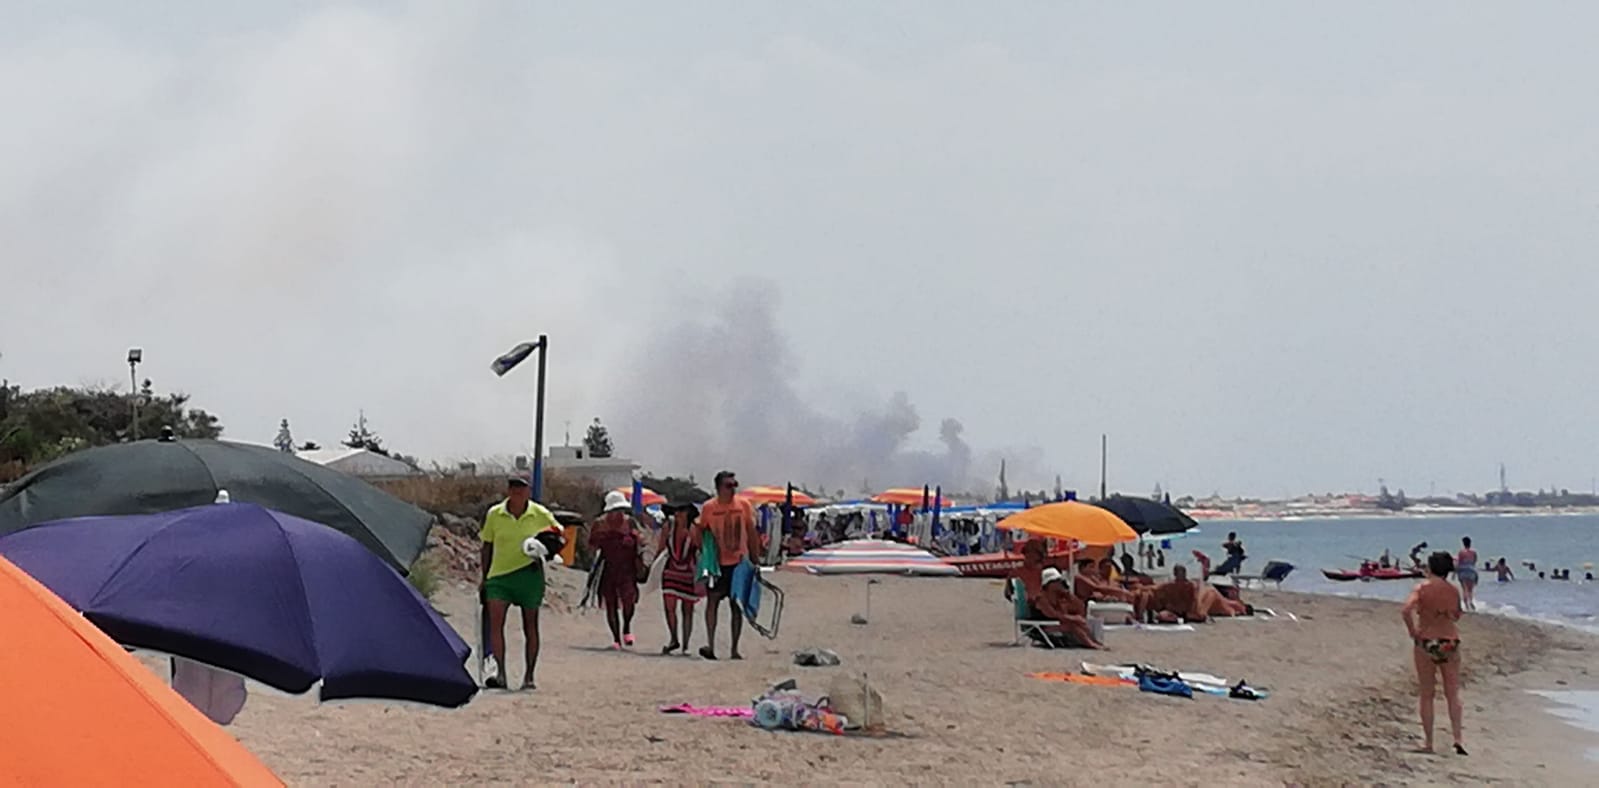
{"x":510,"y":576}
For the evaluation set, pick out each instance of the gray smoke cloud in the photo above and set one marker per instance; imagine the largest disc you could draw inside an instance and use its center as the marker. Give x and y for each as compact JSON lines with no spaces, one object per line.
{"x":723,"y":392}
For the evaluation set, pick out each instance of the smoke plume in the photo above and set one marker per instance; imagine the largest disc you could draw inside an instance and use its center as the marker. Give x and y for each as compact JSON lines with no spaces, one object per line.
{"x":721,"y":393}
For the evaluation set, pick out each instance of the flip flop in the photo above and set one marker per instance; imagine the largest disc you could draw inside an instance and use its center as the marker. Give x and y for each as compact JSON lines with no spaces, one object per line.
{"x":707,"y":653}
{"x":669,"y":648}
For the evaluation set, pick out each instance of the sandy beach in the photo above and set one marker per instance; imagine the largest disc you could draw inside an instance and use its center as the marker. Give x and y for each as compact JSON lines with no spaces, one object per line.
{"x":960,"y":705}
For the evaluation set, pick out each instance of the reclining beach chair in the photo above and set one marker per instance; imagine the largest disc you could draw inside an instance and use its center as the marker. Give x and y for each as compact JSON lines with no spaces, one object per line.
{"x":1021,"y":614}
{"x":1275,"y":572}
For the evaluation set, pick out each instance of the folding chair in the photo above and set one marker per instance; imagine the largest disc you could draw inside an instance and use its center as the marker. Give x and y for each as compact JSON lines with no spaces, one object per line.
{"x":1021,"y":614}
{"x":1275,"y":572}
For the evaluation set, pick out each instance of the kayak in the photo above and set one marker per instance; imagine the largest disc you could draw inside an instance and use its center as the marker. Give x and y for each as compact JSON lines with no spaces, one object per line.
{"x":1345,"y":575}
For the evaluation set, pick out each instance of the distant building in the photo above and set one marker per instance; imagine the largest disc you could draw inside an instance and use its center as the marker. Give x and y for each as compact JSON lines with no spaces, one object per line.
{"x":607,"y":472}
{"x":363,"y":463}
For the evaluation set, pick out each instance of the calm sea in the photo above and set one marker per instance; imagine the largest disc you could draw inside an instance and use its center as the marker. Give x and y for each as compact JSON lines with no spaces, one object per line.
{"x":1563,"y":541}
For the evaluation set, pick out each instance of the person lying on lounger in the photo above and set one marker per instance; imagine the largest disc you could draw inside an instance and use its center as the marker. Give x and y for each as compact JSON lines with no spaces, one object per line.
{"x":1210,"y":602}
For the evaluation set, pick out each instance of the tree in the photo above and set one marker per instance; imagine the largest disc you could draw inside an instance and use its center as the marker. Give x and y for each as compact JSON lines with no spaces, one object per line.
{"x":40,"y":425}
{"x":362,"y":437}
{"x":1004,"y":490}
{"x":598,"y":440}
{"x":285,"y":439}
{"x":310,"y":446}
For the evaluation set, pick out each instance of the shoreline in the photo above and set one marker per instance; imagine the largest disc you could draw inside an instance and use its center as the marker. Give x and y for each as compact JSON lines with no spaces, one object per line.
{"x":958,"y":695}
{"x":1380,"y":514}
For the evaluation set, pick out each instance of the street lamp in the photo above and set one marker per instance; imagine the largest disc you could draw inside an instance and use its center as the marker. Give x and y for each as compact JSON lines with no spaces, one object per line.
{"x":135,"y":355}
{"x":505,"y":364}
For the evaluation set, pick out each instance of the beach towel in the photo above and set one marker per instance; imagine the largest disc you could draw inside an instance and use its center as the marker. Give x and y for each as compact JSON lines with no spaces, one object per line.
{"x":708,"y":711}
{"x":1078,"y":678}
{"x":1154,"y":627}
{"x":709,"y":569}
{"x":1164,"y":685}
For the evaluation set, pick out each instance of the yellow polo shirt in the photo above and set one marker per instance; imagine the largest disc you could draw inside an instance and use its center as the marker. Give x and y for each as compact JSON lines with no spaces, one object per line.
{"x":507,"y":534}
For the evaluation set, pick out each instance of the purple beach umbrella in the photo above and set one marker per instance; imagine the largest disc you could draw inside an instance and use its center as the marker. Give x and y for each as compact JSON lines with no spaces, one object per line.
{"x":285,"y":601}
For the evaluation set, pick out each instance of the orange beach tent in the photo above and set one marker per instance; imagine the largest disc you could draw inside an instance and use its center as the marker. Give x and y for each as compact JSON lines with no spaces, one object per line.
{"x":80,"y":710}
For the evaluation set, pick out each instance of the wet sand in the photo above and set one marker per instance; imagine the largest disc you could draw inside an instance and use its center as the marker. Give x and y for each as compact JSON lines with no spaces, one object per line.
{"x":960,"y":704}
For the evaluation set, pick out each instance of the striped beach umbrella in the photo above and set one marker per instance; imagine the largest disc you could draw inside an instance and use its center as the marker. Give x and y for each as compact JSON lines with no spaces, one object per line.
{"x":872,"y":556}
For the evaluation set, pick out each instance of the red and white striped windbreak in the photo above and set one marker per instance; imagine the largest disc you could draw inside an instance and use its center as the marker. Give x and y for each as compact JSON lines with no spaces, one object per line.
{"x":869,"y":556}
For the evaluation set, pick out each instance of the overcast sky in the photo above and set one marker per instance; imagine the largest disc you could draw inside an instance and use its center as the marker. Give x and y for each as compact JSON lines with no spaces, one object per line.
{"x":1268,"y":248}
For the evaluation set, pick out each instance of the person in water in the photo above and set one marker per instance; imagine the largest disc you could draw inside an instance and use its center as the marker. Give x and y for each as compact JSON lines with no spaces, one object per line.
{"x":1431,"y":615}
{"x":1466,"y":573}
{"x":1502,"y":569}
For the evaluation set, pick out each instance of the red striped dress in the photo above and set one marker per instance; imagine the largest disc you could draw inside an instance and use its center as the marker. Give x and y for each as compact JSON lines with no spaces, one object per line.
{"x":677,"y":574}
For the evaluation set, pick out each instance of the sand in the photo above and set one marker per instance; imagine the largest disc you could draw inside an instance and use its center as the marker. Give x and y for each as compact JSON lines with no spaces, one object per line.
{"x":960,"y":704}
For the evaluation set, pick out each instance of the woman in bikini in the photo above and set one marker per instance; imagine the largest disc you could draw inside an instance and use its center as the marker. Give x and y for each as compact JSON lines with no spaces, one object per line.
{"x":1430,"y":616}
{"x":678,"y":589}
{"x":1466,"y":573}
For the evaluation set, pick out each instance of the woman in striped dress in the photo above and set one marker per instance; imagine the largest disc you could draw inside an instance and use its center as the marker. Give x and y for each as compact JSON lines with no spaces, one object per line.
{"x":678,"y":589}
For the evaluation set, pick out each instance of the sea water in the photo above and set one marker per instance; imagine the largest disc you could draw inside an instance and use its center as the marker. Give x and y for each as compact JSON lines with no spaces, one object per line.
{"x":1577,"y":707}
{"x":1548,"y":541}
{"x":1312,"y":544}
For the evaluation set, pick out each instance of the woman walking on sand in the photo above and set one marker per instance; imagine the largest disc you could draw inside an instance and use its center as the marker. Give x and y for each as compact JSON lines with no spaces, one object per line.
{"x":1466,"y":573}
{"x":678,"y":589}
{"x":1430,"y":615}
{"x":618,"y":544}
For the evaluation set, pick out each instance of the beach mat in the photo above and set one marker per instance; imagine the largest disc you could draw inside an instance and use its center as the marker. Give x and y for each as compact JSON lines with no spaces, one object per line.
{"x":1153,"y":627}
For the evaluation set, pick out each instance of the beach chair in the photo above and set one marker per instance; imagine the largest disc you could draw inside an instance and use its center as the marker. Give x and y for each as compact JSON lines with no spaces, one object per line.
{"x":1275,"y":573}
{"x":1025,"y":624}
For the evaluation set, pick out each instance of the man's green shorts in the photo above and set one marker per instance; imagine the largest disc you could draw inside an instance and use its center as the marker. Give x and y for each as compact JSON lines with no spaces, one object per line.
{"x":523,"y":588}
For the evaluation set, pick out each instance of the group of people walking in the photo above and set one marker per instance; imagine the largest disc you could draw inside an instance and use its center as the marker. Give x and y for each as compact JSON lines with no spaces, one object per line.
{"x":701,"y":547}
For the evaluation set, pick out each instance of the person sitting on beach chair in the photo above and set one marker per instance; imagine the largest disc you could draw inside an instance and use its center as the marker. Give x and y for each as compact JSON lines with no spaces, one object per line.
{"x":1060,"y":604}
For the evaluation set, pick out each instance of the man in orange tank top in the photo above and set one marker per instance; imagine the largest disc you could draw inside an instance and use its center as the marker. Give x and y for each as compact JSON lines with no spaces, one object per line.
{"x":731,"y":524}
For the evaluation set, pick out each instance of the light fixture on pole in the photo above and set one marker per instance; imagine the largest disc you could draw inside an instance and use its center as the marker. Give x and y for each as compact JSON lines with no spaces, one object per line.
{"x":135,"y":355}
{"x":505,"y":364}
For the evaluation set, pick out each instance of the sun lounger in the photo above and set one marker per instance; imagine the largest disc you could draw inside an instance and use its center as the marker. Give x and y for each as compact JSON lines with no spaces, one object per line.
{"x":1275,"y":572}
{"x":1022,"y":615}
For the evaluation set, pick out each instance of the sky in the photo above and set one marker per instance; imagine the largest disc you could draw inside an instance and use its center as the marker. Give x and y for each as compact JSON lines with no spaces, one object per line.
{"x":1267,"y":248}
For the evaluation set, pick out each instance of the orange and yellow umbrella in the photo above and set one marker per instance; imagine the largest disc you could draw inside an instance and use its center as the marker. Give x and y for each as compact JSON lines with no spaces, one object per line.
{"x":651,"y":497}
{"x":1089,"y":525}
{"x":81,"y":711}
{"x":762,"y":495}
{"x":909,"y":496}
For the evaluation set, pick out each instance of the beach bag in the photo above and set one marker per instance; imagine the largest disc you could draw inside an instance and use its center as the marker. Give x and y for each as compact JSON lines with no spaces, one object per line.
{"x":641,"y":563}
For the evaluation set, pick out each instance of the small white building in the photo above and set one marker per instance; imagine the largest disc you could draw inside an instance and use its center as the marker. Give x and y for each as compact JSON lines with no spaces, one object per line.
{"x":608,"y":472}
{"x":362,"y":463}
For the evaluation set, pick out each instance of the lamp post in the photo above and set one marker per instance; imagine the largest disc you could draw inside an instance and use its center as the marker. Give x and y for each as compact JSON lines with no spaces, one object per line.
{"x":505,"y":364}
{"x":135,"y":355}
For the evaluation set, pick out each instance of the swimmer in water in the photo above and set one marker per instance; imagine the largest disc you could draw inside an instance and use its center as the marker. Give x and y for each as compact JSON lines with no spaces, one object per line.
{"x":1503,"y":570}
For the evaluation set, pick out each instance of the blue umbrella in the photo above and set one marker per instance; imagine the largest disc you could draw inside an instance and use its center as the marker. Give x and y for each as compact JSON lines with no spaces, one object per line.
{"x":269,"y":596}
